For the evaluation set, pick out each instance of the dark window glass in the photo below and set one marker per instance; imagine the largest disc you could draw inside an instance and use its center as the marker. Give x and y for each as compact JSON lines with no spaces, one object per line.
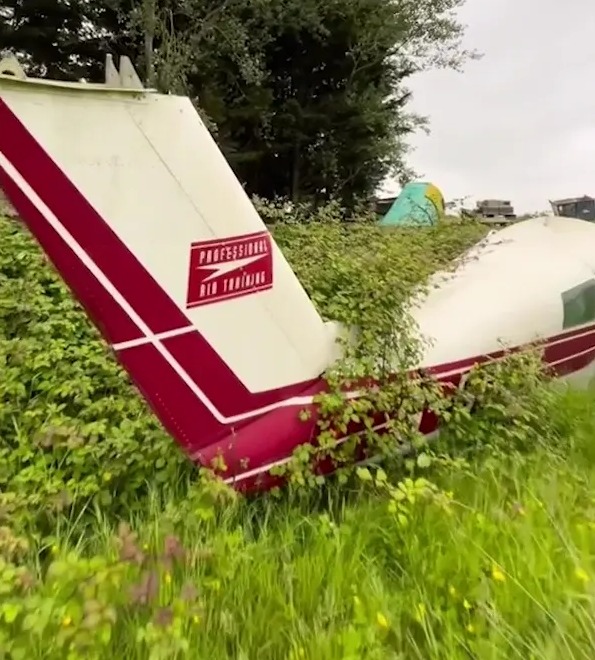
{"x":579,"y":304}
{"x":585,"y":209}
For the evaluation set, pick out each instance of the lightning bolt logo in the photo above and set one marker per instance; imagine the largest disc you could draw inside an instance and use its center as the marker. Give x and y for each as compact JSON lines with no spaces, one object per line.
{"x":228,"y":266}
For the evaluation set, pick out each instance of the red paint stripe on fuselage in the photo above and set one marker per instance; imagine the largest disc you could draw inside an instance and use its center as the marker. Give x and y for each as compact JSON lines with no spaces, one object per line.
{"x":571,"y":357}
{"x":113,"y":323}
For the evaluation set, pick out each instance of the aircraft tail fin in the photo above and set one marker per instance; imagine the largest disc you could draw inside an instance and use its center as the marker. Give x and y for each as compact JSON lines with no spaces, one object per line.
{"x":130,"y":197}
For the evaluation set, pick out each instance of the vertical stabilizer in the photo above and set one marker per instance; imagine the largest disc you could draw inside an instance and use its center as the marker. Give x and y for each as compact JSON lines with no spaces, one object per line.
{"x":128,"y":76}
{"x":131,"y":198}
{"x":112,"y":75}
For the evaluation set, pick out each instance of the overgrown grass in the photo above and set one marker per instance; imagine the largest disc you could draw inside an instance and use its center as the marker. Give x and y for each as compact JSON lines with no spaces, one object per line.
{"x":110,"y":547}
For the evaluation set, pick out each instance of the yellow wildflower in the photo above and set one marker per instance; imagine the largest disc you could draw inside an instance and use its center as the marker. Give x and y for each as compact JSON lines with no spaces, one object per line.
{"x":196,"y":618}
{"x":582,"y":575}
{"x":167,"y":578}
{"x":381,"y":620}
{"x":497,"y":574}
{"x":466,"y":604}
{"x":66,"y":621}
{"x":452,"y":591}
{"x":470,"y":628}
{"x":420,"y":612}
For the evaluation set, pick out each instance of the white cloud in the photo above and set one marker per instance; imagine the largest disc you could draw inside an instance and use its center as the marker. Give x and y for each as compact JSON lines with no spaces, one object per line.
{"x":518,"y":124}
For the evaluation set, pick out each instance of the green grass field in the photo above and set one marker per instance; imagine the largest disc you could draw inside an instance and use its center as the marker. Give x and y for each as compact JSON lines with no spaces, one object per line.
{"x":112,"y":545}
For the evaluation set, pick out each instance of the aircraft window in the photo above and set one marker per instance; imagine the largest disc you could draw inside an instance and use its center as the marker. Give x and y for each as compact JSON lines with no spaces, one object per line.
{"x":579,"y":304}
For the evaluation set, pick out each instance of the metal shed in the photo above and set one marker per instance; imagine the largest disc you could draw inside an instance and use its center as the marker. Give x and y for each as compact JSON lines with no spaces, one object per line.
{"x":575,"y":207}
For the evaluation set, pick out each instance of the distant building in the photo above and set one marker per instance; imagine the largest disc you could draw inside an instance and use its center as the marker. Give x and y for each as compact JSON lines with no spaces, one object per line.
{"x":495,"y":208}
{"x":575,"y":207}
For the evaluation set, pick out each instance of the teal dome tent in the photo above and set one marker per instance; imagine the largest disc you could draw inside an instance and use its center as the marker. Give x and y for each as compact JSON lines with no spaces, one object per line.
{"x":418,"y":204}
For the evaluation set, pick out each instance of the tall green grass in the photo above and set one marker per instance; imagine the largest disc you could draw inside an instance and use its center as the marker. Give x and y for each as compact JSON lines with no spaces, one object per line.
{"x":501,"y":568}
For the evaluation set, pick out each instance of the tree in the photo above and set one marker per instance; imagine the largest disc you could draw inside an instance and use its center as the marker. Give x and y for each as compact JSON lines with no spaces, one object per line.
{"x":60,"y":39}
{"x":307,"y":98}
{"x":327,"y":117}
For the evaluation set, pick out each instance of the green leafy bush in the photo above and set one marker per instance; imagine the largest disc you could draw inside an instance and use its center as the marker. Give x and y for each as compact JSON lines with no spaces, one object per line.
{"x":481,"y":545}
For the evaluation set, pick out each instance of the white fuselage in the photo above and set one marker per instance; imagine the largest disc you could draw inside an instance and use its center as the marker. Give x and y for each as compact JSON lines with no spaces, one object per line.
{"x":507,"y":290}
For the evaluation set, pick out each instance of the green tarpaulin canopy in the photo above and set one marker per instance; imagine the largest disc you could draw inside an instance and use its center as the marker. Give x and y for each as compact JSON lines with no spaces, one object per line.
{"x":418,"y":204}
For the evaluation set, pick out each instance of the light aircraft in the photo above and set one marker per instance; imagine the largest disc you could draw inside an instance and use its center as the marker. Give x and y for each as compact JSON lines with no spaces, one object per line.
{"x":129,"y":196}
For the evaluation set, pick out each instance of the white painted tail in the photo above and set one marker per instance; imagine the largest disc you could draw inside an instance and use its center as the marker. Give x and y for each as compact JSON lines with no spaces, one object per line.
{"x":129,"y":195}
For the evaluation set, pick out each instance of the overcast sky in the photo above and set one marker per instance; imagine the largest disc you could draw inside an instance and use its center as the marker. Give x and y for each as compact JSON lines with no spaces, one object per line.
{"x":518,"y":124}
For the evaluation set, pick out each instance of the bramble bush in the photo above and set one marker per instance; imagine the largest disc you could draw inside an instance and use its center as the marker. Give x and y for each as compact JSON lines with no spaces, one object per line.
{"x":480,"y":545}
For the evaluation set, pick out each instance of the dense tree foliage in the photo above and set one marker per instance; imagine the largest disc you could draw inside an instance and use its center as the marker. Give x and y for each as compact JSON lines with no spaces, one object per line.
{"x":306,"y":97}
